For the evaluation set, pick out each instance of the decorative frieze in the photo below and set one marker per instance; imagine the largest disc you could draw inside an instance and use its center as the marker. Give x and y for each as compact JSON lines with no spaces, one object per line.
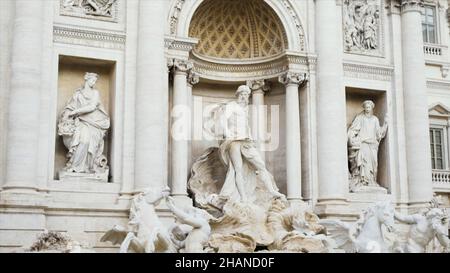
{"x":105,"y":10}
{"x":88,"y":38}
{"x":362,"y":26}
{"x":368,"y":72}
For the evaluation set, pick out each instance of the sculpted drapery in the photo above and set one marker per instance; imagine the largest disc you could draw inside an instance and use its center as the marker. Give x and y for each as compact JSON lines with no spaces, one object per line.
{"x":83,"y":125}
{"x":364,"y":137}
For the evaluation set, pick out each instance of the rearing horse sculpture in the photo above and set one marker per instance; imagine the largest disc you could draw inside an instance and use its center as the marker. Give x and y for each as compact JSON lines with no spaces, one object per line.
{"x":366,"y":235}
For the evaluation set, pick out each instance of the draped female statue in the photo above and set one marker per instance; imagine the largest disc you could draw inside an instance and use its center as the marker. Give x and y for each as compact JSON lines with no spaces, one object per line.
{"x":83,"y":125}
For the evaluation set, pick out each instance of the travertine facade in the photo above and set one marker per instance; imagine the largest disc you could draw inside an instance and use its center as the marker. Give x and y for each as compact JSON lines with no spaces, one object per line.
{"x":311,"y":63}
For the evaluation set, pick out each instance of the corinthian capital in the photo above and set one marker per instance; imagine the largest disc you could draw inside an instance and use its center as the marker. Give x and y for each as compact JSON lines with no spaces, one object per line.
{"x":183,"y":66}
{"x":411,"y":5}
{"x":259,"y":85}
{"x":293,"y":78}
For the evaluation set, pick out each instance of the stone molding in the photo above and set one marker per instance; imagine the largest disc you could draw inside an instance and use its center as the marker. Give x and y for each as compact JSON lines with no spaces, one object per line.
{"x":67,"y":35}
{"x":174,"y":43}
{"x":442,"y":85}
{"x":368,"y":72}
{"x":256,"y":69}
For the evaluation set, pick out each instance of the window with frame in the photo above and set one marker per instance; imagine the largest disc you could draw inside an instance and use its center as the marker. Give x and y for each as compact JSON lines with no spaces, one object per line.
{"x":437,"y":148}
{"x":429,"y":25}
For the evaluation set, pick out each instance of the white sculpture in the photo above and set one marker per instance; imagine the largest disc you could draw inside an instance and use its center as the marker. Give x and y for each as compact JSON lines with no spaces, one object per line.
{"x":247,"y":179}
{"x":196,"y":240}
{"x":364,"y":137}
{"x":424,"y":227}
{"x":56,"y":242}
{"x":296,"y":230}
{"x":83,"y":125}
{"x":366,"y":235}
{"x":145,"y":232}
{"x":361,"y":25}
{"x":232,"y":183}
{"x":90,"y":7}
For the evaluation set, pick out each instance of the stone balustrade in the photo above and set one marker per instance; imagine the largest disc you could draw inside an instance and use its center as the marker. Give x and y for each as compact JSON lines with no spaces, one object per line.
{"x":441,"y":180}
{"x":434,"y":50}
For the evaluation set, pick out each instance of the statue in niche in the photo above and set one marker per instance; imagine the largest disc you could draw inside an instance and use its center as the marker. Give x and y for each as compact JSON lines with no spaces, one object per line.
{"x":364,"y":137}
{"x":90,"y":7}
{"x":232,"y":184}
{"x":83,"y":125}
{"x":247,"y":175}
{"x":361,"y":25}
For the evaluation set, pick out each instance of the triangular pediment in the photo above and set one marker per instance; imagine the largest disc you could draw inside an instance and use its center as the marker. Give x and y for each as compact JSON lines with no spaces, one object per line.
{"x":439,"y":109}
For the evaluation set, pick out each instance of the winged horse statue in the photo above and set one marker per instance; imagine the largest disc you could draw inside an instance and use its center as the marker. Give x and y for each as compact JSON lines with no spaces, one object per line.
{"x":366,"y":235}
{"x":145,"y":232}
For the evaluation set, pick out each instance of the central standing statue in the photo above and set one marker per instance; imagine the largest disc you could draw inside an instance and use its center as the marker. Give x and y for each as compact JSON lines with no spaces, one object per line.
{"x":239,"y":153}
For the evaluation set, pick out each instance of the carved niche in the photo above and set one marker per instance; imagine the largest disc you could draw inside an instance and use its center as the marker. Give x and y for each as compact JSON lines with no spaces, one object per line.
{"x":362,"y":26}
{"x":105,"y":10}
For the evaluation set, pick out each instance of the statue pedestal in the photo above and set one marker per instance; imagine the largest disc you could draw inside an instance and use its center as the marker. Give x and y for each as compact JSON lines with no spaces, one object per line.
{"x":94,"y":177}
{"x":370,"y":189}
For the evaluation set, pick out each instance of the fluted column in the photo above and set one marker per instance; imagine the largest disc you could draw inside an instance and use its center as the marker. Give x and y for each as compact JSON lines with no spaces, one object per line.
{"x":415,"y":98}
{"x":192,"y":79}
{"x":292,"y":81}
{"x":331,"y":107}
{"x":151,"y":145}
{"x":259,"y":122}
{"x":180,"y":129}
{"x":23,"y":119}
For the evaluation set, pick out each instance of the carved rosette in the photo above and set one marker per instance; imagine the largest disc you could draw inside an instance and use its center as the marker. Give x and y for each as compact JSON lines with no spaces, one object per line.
{"x":293,"y":78}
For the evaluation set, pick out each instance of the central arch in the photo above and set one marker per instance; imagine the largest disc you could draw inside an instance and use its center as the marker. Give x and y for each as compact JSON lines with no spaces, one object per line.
{"x":182,"y":13}
{"x":236,"y":29}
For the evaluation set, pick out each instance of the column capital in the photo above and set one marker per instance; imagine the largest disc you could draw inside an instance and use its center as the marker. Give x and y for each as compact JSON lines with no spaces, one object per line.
{"x":290,"y":78}
{"x":192,"y":78}
{"x":258,"y":86}
{"x":411,"y":5}
{"x":181,"y":65}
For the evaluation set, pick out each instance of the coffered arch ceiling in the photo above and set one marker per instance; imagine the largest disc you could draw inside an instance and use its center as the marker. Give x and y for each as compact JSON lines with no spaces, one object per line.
{"x":237,"y":29}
